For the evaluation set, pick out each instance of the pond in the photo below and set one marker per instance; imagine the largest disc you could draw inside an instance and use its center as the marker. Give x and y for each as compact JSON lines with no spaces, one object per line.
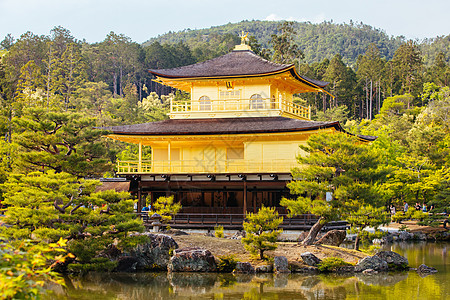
{"x":398,"y":286}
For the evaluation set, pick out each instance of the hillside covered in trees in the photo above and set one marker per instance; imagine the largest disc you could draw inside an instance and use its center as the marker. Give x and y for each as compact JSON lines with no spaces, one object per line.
{"x":316,"y":41}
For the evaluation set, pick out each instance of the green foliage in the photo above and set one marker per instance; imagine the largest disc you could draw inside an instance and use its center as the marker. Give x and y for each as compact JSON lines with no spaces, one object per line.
{"x":411,"y":214}
{"x":340,"y":165}
{"x":50,"y":206}
{"x":329,"y":264}
{"x":366,"y":216}
{"x":218,"y":231}
{"x":262,"y":231}
{"x":227,"y":263}
{"x":166,"y":207}
{"x":25,"y":268}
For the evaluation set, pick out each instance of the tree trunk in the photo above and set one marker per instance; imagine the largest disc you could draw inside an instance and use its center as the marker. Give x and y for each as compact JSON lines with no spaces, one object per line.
{"x":313,"y":232}
{"x":261,"y":254}
{"x":114,"y":84}
{"x":371,"y":100}
{"x":357,"y":243}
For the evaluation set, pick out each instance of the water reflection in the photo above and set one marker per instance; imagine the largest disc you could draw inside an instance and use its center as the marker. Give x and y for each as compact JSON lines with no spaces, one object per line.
{"x":398,"y":286}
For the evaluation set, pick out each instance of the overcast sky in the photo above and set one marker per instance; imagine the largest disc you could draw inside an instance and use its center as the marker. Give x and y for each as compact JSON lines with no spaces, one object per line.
{"x":142,"y":19}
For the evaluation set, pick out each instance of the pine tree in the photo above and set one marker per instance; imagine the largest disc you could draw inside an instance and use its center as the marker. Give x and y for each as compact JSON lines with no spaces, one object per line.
{"x":46,"y":207}
{"x":166,"y":208}
{"x":262,"y":231}
{"x":338,"y":165}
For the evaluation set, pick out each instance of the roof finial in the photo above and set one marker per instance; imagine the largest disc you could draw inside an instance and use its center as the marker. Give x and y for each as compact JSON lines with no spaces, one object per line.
{"x":244,"y":37}
{"x":243,"y":45}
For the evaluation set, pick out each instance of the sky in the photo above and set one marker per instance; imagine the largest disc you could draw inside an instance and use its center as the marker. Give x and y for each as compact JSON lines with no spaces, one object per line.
{"x":141,"y":20}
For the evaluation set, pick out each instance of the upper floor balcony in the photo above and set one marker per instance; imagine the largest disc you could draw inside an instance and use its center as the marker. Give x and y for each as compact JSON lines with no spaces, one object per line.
{"x":206,"y":167}
{"x":232,"y":108}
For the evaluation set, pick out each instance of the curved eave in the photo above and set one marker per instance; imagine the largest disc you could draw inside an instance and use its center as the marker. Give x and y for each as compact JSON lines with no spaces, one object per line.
{"x":234,"y":76}
{"x":312,"y":87}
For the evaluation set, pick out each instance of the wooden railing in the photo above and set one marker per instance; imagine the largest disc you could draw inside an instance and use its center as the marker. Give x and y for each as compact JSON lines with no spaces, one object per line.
{"x":205,"y":166}
{"x":240,"y":105}
{"x":234,"y":221}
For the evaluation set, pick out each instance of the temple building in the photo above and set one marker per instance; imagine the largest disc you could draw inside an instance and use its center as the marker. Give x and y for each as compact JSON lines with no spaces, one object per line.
{"x":231,"y":147}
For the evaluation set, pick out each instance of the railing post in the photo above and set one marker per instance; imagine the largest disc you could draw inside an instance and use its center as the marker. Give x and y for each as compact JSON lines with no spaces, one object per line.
{"x":309,"y":112}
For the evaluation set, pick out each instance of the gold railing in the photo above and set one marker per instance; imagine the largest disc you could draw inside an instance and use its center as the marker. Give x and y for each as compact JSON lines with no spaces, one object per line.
{"x":245,"y":105}
{"x":200,"y":166}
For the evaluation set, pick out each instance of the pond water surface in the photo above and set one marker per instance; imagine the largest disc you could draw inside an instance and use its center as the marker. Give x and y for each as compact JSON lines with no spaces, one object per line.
{"x":397,"y":286}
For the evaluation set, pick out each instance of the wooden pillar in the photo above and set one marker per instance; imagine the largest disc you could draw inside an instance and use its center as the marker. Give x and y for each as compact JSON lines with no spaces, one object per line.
{"x":245,"y":198}
{"x":152,"y":199}
{"x":140,"y":204}
{"x":224,"y":200}
{"x":140,"y":157}
{"x":168,"y":156}
{"x":254,"y":195}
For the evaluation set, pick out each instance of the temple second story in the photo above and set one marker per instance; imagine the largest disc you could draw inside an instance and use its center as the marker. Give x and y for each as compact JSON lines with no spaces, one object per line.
{"x":238,"y":84}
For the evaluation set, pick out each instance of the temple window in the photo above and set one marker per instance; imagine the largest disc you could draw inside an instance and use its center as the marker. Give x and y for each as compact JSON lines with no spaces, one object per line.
{"x":235,"y":152}
{"x":205,"y":103}
{"x":256,"y":102}
{"x":235,"y":94}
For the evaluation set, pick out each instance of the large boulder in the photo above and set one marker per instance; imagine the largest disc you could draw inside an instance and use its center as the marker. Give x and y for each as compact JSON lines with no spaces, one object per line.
{"x":244,"y":268}
{"x":371,"y":262}
{"x":332,"y":238}
{"x":310,"y":259}
{"x":394,"y":260}
{"x":192,"y":260}
{"x":405,"y":236}
{"x":281,"y":265}
{"x":156,"y":254}
{"x":264,"y":269}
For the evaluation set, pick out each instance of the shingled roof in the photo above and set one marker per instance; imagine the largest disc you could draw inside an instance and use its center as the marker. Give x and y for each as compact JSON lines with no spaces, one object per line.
{"x":177,"y":127}
{"x":233,"y":64}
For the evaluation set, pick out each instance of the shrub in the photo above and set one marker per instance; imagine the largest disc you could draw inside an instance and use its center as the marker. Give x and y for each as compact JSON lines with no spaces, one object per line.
{"x":218,"y":231}
{"x":262,"y":231}
{"x":166,"y":207}
{"x":331,"y":263}
{"x":227,"y":263}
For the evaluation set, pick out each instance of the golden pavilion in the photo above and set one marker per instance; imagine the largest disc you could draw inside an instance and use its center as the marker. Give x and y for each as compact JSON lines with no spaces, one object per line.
{"x":231,"y":147}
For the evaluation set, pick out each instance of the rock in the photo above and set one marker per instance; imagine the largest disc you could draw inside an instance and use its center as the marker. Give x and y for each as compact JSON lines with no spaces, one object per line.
{"x":126,"y":264}
{"x":332,"y":238}
{"x":264,"y":269}
{"x":405,"y":236}
{"x":154,"y":255}
{"x":420,"y":236}
{"x":192,"y":260}
{"x":281,"y":265}
{"x":304,"y":270}
{"x":424,"y":270}
{"x":387,"y":239}
{"x":244,"y":268}
{"x":238,"y":235}
{"x":369,"y":272}
{"x":394,"y":260}
{"x":371,"y":262}
{"x":310,"y":259}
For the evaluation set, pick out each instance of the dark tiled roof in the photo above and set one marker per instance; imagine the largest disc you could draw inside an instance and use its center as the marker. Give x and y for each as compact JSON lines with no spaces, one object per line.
{"x":235,"y":63}
{"x":222,"y":126}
